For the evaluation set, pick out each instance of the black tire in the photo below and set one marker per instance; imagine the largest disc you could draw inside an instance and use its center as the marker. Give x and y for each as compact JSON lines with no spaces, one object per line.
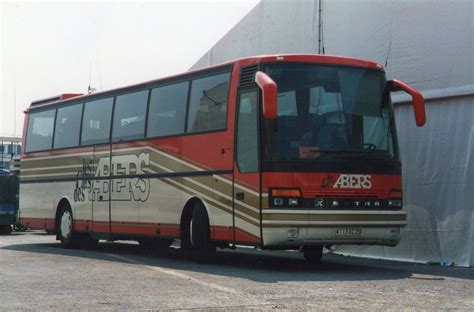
{"x":200,"y":232}
{"x":6,"y":229}
{"x":313,"y":254}
{"x":64,"y":227}
{"x":155,"y":243}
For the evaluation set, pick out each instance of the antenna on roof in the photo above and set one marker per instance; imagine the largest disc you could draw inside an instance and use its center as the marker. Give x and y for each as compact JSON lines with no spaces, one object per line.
{"x":320,"y":26}
{"x":14,"y":107}
{"x":90,"y":90}
{"x":388,"y":53}
{"x":98,"y":73}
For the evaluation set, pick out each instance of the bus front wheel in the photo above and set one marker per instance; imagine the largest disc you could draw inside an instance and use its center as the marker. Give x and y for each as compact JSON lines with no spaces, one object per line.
{"x":200,"y":230}
{"x":196,"y":238}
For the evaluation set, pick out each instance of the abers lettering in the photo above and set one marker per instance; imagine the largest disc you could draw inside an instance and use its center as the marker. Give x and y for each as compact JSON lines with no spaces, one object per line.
{"x":354,"y":181}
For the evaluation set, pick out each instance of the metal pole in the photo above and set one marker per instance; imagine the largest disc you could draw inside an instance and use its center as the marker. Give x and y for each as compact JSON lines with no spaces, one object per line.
{"x":319,"y":27}
{"x":2,"y":154}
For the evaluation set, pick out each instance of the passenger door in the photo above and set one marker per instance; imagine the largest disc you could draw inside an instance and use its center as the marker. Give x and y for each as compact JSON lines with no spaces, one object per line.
{"x":246,"y":182}
{"x":95,"y":132}
{"x":128,"y":186}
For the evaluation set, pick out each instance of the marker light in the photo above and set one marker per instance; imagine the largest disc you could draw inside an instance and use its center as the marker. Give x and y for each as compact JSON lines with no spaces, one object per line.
{"x":395,"y":194}
{"x":286,"y":193}
{"x":395,"y":198}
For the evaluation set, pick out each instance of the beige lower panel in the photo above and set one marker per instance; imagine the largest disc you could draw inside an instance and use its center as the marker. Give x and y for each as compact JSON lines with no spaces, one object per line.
{"x":220,"y":213}
{"x":162,"y":203}
{"x":40,"y":200}
{"x":388,"y":236}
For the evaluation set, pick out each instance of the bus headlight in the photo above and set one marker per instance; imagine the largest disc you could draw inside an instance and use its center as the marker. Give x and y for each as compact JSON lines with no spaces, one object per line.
{"x":293,"y":202}
{"x":394,"y":202}
{"x":278,"y":201}
{"x":285,"y":197}
{"x":395,"y":198}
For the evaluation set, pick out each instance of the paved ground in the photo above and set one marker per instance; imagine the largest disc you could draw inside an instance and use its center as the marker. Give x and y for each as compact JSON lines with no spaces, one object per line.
{"x":37,"y":274}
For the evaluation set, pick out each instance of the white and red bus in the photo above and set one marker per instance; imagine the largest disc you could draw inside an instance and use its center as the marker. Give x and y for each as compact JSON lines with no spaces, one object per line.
{"x":279,"y":152}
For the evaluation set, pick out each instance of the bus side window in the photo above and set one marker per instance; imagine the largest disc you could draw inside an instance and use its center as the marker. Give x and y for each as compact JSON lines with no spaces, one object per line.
{"x":208,"y":103}
{"x":167,"y":110}
{"x":39,"y":135}
{"x":129,"y":116}
{"x":68,"y":125}
{"x":96,"y":121}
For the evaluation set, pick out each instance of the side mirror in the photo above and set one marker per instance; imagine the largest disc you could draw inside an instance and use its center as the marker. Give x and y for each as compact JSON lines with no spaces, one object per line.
{"x":269,"y":94}
{"x":417,"y":100}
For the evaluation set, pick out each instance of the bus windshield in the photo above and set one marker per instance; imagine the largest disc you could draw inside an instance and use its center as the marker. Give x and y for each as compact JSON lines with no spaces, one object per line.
{"x":326,"y":110}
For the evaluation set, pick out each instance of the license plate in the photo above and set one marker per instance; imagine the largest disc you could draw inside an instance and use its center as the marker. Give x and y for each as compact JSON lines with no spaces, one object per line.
{"x":348,"y":232}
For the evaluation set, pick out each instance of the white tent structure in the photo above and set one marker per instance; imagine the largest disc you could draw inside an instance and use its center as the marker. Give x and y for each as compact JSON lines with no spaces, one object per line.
{"x":428,"y":44}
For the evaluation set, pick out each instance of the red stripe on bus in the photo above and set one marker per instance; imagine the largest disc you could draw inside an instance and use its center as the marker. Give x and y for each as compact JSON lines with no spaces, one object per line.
{"x":244,"y":236}
{"x":218,"y":232}
{"x":38,"y":223}
{"x":221,"y":233}
{"x":225,"y":233}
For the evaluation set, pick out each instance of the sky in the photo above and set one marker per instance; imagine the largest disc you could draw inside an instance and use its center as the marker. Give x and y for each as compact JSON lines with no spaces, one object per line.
{"x":50,"y":48}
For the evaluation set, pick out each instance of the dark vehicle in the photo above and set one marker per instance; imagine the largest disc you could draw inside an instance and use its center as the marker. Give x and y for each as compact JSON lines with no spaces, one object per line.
{"x":8,"y":202}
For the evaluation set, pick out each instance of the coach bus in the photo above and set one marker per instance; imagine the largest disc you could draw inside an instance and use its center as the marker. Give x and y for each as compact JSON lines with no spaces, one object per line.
{"x":279,"y":152}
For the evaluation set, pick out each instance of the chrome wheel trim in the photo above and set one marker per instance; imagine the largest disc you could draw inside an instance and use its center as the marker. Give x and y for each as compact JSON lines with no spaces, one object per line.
{"x":66,"y":224}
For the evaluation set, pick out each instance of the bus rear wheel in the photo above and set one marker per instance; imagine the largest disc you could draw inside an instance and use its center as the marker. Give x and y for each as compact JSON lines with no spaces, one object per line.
{"x":64,"y":227}
{"x":6,"y":229}
{"x":313,"y":254}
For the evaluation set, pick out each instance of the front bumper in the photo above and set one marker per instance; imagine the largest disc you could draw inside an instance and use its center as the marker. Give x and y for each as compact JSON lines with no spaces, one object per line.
{"x":312,"y":227}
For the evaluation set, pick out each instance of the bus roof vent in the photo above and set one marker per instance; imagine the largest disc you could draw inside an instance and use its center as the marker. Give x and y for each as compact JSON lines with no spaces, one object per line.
{"x":247,"y":76}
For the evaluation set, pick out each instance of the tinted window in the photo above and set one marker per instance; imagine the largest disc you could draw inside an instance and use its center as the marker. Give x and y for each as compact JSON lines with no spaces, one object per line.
{"x":96,"y":122}
{"x":40,"y":131}
{"x":208,"y":103}
{"x":287,"y":104}
{"x":328,"y":110}
{"x":129,"y":116}
{"x":68,"y":123}
{"x":247,"y":138}
{"x":167,"y":110}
